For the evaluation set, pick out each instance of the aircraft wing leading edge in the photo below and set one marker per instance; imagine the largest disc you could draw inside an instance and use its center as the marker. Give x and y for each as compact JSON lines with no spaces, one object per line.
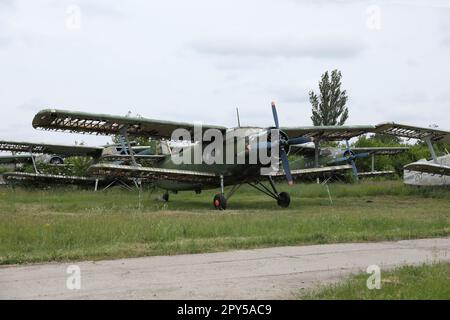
{"x":337,"y":133}
{"x":101,"y":124}
{"x":44,"y":148}
{"x":312,"y":172}
{"x":150,"y":173}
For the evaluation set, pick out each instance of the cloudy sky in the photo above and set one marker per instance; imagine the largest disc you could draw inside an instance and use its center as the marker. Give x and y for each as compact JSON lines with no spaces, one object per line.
{"x":198,"y":60}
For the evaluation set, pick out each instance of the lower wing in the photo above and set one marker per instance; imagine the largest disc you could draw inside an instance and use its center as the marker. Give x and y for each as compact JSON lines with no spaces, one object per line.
{"x":375,"y":173}
{"x":150,"y":173}
{"x":312,"y":172}
{"x":22,"y":177}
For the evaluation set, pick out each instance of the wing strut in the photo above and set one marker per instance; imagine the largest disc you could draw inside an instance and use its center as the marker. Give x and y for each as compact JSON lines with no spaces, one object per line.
{"x":316,"y":156}
{"x":373,"y":162}
{"x":430,"y":146}
{"x":34,"y":161}
{"x":127,"y":148}
{"x":124,"y":133}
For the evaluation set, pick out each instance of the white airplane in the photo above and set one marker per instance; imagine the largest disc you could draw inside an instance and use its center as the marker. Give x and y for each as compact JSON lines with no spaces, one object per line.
{"x":435,"y":172}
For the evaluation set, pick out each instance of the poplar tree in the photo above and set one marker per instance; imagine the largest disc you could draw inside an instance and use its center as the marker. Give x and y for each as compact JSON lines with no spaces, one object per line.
{"x":329,"y":107}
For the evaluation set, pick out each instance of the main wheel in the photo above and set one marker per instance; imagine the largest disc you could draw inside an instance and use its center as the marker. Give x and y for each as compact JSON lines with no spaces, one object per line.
{"x":284,"y":199}
{"x":165,"y":197}
{"x":220,"y":202}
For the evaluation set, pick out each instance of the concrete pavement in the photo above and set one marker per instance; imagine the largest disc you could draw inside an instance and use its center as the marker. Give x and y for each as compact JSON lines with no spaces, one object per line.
{"x":270,"y":273}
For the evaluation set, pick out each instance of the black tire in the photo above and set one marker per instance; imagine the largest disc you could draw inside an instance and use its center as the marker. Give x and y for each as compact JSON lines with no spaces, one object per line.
{"x":165,"y":197}
{"x":220,"y":202}
{"x":284,"y":199}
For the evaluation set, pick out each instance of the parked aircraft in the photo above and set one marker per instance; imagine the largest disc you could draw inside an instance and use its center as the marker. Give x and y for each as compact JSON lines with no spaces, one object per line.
{"x":168,"y":173}
{"x":56,"y":154}
{"x":434,"y":172}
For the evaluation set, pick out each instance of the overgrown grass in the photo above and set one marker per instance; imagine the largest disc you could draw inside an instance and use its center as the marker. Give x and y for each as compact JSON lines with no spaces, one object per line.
{"x":426,"y":282}
{"x":58,"y":225}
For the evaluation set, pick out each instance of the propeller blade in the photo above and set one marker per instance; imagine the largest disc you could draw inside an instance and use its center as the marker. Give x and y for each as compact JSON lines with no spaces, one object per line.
{"x":275,"y":115}
{"x":299,"y":140}
{"x":287,"y":169}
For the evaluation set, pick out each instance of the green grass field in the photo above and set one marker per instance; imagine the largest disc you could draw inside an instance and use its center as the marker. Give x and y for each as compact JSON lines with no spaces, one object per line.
{"x":60,"y":225}
{"x":426,"y":282}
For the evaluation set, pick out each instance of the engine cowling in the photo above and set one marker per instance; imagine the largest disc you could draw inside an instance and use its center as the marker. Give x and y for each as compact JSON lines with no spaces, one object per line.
{"x":55,"y":160}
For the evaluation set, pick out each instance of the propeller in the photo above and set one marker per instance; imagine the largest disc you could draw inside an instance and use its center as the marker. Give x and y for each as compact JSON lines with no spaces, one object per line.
{"x":351,"y":157}
{"x":283,"y":145}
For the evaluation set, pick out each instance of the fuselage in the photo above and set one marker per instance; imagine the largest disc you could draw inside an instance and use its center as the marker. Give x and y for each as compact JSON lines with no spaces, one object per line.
{"x":231,"y":158}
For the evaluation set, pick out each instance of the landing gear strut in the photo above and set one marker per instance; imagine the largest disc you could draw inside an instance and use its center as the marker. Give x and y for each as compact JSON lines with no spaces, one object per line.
{"x":220,"y":199}
{"x":283,"y":199}
{"x":220,"y":202}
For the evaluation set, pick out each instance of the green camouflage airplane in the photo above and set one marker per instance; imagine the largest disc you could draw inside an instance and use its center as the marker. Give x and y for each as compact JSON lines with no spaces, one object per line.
{"x":239,"y":142}
{"x":55,"y":155}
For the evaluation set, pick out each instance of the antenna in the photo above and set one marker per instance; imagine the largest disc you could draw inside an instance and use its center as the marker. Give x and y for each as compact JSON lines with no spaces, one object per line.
{"x":238,"y":119}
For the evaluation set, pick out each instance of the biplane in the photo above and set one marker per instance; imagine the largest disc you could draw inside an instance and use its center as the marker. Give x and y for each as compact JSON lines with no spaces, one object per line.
{"x":55,"y":155}
{"x":166,"y":172}
{"x":329,"y":156}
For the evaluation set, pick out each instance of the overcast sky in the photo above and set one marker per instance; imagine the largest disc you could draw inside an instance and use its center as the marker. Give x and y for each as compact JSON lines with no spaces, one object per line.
{"x":198,"y":60}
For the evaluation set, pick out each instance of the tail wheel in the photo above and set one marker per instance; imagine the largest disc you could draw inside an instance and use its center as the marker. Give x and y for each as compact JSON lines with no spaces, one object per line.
{"x":220,"y":202}
{"x":284,"y":199}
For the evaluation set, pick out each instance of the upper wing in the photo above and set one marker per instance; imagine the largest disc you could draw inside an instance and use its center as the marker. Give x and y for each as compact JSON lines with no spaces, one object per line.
{"x":70,"y":121}
{"x":381,"y":150}
{"x":151,"y":173}
{"x":407,"y":131}
{"x":428,"y":167}
{"x":336,"y":133}
{"x":63,"y":150}
{"x":330,"y":133}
